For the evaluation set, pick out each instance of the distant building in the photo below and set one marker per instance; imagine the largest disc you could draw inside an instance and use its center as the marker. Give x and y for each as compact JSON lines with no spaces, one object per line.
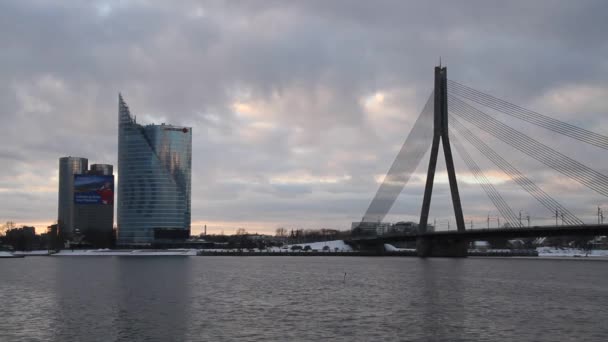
{"x":370,"y":228}
{"x":86,"y":202}
{"x":154,"y":181}
{"x":382,"y":228}
{"x":409,"y":227}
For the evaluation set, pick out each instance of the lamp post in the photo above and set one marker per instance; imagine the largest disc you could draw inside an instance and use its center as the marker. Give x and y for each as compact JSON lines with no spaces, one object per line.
{"x":520,"y":219}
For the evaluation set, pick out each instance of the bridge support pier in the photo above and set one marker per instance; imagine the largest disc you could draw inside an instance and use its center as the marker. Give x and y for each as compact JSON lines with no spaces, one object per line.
{"x":444,"y":248}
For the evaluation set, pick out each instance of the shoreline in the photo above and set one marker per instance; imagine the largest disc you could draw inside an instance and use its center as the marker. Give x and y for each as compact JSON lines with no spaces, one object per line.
{"x":502,"y":253}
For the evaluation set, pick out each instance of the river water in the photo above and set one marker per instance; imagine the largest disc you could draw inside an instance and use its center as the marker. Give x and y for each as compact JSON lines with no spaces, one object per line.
{"x":302,"y":299}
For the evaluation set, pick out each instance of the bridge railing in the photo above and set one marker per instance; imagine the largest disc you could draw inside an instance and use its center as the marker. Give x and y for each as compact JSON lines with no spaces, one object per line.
{"x":372,"y":234}
{"x":368,"y":233}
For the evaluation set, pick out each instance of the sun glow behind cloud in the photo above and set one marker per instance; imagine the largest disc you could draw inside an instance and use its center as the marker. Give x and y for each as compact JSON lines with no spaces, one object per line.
{"x":304,"y":178}
{"x":441,"y":177}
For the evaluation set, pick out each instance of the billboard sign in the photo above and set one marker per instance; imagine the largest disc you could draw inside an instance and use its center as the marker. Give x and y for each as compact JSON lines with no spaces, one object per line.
{"x":94,"y":189}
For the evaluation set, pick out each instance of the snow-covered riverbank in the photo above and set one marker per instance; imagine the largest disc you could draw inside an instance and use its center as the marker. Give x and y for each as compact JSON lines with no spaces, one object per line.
{"x":32,"y":253}
{"x":127,"y":252}
{"x":570,"y":252}
{"x":4,"y":254}
{"x":334,"y":246}
{"x":324,"y":246}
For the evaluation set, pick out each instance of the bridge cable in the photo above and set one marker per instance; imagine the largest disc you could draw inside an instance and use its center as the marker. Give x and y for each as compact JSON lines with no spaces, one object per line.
{"x":524,"y":182}
{"x":498,"y":201}
{"x":415,"y":146}
{"x":570,"y":167}
{"x":513,"y":173}
{"x":548,"y":156}
{"x":529,"y":116}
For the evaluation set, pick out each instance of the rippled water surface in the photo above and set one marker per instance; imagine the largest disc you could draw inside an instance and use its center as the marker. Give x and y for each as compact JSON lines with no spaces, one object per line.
{"x":302,"y":299}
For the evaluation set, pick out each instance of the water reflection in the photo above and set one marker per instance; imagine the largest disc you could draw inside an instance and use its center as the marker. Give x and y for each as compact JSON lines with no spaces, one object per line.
{"x":442,"y":297}
{"x":120,"y":298}
{"x":154,"y":298}
{"x":301,"y":299}
{"x":26,"y":296}
{"x":84,"y":293}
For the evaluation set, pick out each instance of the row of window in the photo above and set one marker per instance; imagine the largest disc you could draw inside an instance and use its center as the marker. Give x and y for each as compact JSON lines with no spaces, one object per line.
{"x":149,"y":195}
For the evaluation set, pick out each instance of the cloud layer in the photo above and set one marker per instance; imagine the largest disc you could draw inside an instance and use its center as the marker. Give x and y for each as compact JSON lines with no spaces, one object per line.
{"x":298,"y":108}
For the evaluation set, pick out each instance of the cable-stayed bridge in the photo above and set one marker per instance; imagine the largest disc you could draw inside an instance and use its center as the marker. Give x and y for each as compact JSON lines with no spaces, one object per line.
{"x":463,"y":107}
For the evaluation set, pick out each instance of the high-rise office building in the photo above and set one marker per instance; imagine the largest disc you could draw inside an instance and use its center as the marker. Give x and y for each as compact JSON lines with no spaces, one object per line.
{"x":154,"y":172}
{"x":86,"y":202}
{"x":68,"y":167}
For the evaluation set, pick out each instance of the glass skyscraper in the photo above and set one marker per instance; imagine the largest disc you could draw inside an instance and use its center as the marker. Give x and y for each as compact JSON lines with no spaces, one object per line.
{"x":154,"y":173}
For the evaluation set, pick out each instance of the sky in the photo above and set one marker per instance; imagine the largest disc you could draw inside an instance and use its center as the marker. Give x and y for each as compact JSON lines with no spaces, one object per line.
{"x":297,"y":108}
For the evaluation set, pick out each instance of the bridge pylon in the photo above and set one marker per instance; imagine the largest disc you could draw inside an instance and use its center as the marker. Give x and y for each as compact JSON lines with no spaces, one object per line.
{"x":441,"y":132}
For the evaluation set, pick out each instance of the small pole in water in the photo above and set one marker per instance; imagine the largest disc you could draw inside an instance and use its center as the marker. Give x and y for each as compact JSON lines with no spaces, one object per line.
{"x":344,"y":280}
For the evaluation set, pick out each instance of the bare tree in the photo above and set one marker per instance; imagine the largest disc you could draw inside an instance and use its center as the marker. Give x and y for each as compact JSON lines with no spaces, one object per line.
{"x":241,"y":231}
{"x":7,"y":226}
{"x":281,"y":232}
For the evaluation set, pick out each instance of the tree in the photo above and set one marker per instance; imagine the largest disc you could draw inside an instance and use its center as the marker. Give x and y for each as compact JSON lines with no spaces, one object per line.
{"x":6,"y":227}
{"x":22,"y":239}
{"x":281,"y":232}
{"x":241,"y":231}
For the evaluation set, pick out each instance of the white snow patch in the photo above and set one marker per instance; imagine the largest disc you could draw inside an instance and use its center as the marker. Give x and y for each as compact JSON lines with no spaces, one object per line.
{"x":127,"y":252}
{"x":570,"y":252}
{"x":334,"y":245}
{"x":391,"y":248}
{"x":39,"y":252}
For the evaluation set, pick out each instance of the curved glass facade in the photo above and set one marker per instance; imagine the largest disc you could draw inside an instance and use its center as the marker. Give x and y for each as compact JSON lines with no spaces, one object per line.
{"x":154,"y":172}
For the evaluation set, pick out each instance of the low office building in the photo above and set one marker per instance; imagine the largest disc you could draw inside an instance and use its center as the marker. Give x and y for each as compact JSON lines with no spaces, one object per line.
{"x":369,"y":228}
{"x":86,"y":203}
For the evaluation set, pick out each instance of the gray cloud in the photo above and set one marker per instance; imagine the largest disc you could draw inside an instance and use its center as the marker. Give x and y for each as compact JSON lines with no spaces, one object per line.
{"x":296,"y":107}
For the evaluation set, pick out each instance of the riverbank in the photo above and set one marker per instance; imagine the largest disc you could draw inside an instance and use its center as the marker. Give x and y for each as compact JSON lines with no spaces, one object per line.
{"x":255,"y":252}
{"x":102,"y":252}
{"x":127,"y":252}
{"x":313,"y":249}
{"x":220,"y":252}
{"x":571,"y":252}
{"x":6,"y":255}
{"x":395,"y":253}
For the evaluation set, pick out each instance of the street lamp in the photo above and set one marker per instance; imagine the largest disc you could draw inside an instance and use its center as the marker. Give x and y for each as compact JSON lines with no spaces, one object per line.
{"x":520,"y":219}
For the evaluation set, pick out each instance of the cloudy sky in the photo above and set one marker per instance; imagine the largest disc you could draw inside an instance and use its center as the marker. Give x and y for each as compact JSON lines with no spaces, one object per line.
{"x":298,"y":108}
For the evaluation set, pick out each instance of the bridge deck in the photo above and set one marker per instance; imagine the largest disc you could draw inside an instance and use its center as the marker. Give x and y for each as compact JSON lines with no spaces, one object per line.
{"x":477,"y":234}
